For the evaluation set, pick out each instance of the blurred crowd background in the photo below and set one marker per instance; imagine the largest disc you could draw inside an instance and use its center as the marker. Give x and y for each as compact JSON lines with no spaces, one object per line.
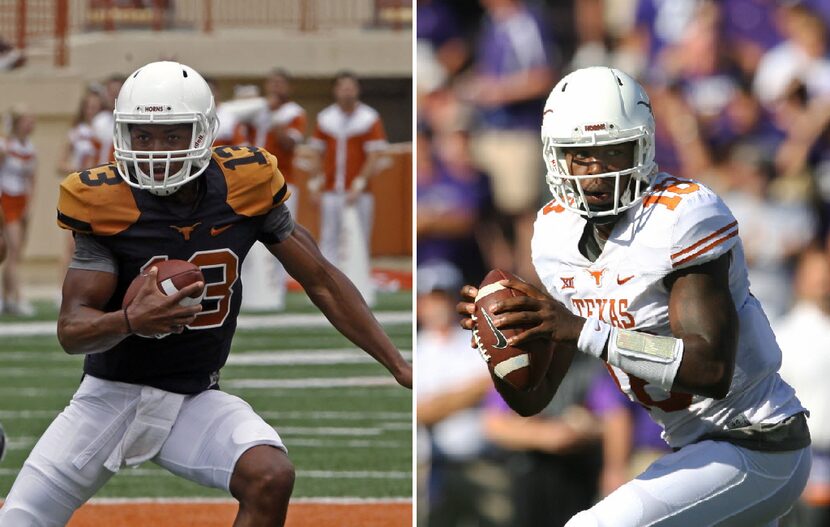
{"x":741,"y":94}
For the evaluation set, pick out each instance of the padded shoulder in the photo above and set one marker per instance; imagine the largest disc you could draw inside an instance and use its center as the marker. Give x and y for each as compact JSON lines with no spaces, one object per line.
{"x":255,"y":184}
{"x":96,"y":201}
{"x":704,"y":229}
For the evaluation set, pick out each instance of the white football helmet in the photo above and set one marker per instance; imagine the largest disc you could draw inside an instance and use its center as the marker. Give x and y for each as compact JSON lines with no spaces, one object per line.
{"x":164,"y":93}
{"x":592,"y":107}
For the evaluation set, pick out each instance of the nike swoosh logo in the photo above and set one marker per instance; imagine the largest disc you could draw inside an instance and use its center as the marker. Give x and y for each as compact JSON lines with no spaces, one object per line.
{"x":621,"y":281}
{"x":216,"y":231}
{"x":501,"y":341}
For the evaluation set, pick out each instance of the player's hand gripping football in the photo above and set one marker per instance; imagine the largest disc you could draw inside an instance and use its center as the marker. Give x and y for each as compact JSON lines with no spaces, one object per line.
{"x":538,"y":315}
{"x":154,"y":313}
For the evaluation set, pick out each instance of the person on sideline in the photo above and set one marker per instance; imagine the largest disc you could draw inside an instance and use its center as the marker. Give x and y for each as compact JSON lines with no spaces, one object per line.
{"x":18,"y":161}
{"x":278,"y":128}
{"x":803,"y":336}
{"x":350,"y":138}
{"x":82,"y":151}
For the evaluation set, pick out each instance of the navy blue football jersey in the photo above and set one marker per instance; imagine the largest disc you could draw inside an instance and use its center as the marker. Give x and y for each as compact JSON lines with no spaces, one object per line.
{"x":237,"y":190}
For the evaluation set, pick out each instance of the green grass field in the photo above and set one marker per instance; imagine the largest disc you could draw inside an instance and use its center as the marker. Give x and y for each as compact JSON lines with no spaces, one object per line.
{"x":347,"y":425}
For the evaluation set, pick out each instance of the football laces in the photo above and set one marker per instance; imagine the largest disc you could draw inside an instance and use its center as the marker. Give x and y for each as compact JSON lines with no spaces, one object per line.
{"x":477,"y":337}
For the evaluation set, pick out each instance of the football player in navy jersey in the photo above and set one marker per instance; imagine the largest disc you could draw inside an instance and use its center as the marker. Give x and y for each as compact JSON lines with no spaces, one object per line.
{"x":150,"y":389}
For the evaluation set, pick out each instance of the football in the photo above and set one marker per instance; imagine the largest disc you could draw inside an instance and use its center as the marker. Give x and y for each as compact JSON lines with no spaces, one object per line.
{"x":522,"y":366}
{"x":172,"y":276}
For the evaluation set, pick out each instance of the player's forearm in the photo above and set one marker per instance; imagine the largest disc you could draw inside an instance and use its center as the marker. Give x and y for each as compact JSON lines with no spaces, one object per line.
{"x":344,"y":307}
{"x":686,"y":363}
{"x":702,"y":314}
{"x":88,"y":330}
{"x":703,"y":371}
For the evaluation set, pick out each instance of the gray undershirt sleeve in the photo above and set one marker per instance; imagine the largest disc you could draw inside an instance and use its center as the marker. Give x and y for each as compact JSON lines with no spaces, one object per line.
{"x":92,"y":255}
{"x":278,"y":225}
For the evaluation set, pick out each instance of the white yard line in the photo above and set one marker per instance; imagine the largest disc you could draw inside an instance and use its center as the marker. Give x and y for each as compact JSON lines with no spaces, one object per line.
{"x":321,"y":382}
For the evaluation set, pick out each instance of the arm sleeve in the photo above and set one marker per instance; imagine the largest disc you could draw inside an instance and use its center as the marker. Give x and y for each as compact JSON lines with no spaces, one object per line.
{"x":92,"y":255}
{"x":278,"y":225}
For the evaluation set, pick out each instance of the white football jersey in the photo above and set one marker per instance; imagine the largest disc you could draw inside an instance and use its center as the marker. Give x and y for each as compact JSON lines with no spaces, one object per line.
{"x":679,"y":223}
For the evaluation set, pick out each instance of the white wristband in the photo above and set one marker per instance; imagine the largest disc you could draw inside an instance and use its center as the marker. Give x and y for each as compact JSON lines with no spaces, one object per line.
{"x":593,"y":337}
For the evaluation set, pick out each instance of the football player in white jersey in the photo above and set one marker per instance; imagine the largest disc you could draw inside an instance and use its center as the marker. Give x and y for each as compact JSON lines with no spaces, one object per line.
{"x":646,"y":272}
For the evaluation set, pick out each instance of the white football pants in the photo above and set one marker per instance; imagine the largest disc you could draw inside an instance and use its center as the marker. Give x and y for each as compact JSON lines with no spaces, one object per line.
{"x":66,"y":467}
{"x":711,"y":483}
{"x":331,"y":215}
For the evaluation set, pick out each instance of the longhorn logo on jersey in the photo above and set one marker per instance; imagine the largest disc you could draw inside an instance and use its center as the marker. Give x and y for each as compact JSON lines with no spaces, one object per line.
{"x":597,"y":275}
{"x":186,"y":231}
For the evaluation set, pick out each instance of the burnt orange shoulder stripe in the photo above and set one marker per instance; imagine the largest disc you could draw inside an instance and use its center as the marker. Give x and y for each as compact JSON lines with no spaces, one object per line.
{"x":705,"y":249}
{"x":255,"y":184}
{"x":96,"y":201}
{"x":704,"y":240}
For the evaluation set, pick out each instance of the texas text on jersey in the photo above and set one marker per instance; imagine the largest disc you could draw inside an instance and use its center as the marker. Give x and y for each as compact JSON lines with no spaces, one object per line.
{"x":679,"y":223}
{"x":239,"y":187}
